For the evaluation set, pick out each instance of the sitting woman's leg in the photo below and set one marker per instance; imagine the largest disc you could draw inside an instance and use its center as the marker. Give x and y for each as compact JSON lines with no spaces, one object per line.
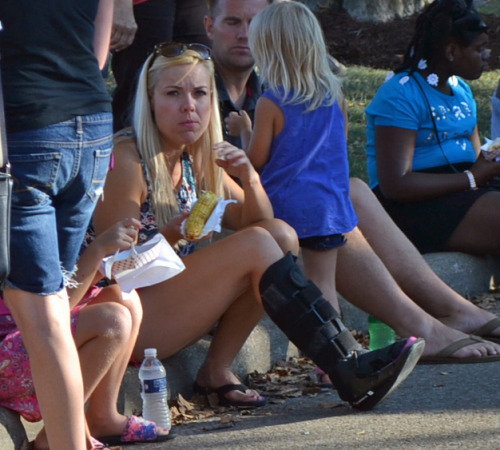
{"x":220,"y":284}
{"x":224,"y":283}
{"x":409,"y":268}
{"x":104,"y":336}
{"x":363,"y":279}
{"x":102,"y":414}
{"x":478,"y":232}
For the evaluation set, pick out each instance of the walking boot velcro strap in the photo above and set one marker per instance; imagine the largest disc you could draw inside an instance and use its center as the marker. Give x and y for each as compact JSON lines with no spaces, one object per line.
{"x":342,"y":341}
{"x":312,"y":300}
{"x":329,"y":339}
{"x":307,"y":307}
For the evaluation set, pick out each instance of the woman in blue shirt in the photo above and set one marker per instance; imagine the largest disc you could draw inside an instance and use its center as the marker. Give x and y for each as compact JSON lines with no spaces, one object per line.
{"x":423,"y":147}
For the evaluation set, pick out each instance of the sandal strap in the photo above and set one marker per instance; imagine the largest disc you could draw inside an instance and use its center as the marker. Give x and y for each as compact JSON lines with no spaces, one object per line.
{"x":223,"y":390}
{"x":461,"y":343}
{"x":97,"y":445}
{"x":488,"y":327}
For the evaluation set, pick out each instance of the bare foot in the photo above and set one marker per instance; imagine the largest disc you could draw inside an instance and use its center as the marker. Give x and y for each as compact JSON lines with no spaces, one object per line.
{"x":443,"y":336}
{"x":471,"y":321}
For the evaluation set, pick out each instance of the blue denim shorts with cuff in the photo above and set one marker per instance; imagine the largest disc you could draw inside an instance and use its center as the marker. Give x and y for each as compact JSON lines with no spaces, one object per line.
{"x":59,"y":173}
{"x":322,"y":243}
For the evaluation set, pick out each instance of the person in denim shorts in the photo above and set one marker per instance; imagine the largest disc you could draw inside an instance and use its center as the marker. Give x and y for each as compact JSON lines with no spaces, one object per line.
{"x":59,"y":137}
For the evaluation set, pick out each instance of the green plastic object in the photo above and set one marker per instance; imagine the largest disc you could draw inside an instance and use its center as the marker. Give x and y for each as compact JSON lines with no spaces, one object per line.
{"x":381,"y":334}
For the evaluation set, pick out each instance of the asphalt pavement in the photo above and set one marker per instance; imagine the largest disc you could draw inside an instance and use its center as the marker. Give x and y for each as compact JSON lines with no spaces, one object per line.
{"x":437,"y":407}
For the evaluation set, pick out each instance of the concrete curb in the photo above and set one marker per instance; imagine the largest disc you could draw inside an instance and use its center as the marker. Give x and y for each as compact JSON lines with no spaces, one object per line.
{"x":12,"y":432}
{"x":470,"y":275}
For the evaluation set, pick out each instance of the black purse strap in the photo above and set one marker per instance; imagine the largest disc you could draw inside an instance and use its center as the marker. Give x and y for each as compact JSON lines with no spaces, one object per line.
{"x":4,"y":159}
{"x":434,"y":123}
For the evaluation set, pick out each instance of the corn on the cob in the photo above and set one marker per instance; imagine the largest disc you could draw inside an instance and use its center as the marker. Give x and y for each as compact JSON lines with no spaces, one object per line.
{"x":199,"y":214}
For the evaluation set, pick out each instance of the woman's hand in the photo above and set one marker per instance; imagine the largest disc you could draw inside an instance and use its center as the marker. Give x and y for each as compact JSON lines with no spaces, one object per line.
{"x":253,"y":204}
{"x":235,"y":162}
{"x":484,"y":170}
{"x":172,"y":231}
{"x":120,"y":236}
{"x":238,"y":122}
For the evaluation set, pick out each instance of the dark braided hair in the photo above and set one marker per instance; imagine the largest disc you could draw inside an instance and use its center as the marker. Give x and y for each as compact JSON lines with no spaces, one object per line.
{"x":440,"y":22}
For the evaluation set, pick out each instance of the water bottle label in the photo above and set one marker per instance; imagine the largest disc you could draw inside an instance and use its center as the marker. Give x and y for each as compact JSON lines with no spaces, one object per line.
{"x":153,"y":386}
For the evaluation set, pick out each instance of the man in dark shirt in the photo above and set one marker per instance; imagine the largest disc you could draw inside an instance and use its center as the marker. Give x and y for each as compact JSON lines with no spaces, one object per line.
{"x":238,"y":84}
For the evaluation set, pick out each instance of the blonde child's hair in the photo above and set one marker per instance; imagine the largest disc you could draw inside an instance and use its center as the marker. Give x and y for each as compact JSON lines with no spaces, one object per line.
{"x":149,"y":143}
{"x":287,"y":43}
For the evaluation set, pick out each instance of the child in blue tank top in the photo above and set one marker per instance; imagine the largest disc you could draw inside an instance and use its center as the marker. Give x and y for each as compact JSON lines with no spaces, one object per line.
{"x":299,"y":136}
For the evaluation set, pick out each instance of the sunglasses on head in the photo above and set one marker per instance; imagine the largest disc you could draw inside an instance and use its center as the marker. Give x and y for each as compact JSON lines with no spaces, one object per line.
{"x":173,"y":49}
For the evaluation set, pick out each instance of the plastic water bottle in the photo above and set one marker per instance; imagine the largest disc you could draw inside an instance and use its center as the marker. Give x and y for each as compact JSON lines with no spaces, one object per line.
{"x":153,"y":381}
{"x":381,"y":334}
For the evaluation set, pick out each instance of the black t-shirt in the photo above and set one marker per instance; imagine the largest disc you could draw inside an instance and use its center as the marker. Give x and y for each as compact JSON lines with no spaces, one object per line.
{"x":49,"y":71}
{"x":254,"y":91}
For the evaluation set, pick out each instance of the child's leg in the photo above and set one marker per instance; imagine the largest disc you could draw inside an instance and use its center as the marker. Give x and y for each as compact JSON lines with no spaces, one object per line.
{"x":320,"y":267}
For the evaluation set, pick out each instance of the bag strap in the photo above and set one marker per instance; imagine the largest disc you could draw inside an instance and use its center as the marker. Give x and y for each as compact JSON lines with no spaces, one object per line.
{"x":4,"y":161}
{"x":434,"y":123}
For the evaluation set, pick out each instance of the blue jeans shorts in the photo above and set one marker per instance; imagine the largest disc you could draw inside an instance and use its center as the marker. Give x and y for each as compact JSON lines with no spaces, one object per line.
{"x":58,"y":174}
{"x":323,"y":242}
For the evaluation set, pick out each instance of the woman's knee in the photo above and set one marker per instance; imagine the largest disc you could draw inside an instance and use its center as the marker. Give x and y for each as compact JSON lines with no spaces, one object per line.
{"x":284,"y":235}
{"x":131,"y":301}
{"x":110,"y":320}
{"x":134,"y":305}
{"x":257,"y":243}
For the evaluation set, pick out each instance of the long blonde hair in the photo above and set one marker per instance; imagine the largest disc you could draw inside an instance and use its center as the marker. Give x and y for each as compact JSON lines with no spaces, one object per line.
{"x":208,"y":175}
{"x":287,"y":43}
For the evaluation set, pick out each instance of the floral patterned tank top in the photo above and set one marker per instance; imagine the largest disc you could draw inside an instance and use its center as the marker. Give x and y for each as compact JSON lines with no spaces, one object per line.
{"x":186,"y":197}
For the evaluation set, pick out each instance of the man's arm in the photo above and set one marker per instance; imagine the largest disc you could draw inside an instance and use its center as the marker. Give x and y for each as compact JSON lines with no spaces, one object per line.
{"x":124,"y":25}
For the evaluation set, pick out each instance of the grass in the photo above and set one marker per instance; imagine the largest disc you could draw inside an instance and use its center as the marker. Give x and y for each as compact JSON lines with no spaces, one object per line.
{"x":491,"y":7}
{"x":361,"y":84}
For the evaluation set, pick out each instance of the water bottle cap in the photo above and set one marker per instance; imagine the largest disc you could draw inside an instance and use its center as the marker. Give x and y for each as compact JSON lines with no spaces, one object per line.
{"x":150,"y":352}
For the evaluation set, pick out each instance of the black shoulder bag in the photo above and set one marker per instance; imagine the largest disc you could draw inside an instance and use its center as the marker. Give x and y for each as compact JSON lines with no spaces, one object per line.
{"x":5,"y":196}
